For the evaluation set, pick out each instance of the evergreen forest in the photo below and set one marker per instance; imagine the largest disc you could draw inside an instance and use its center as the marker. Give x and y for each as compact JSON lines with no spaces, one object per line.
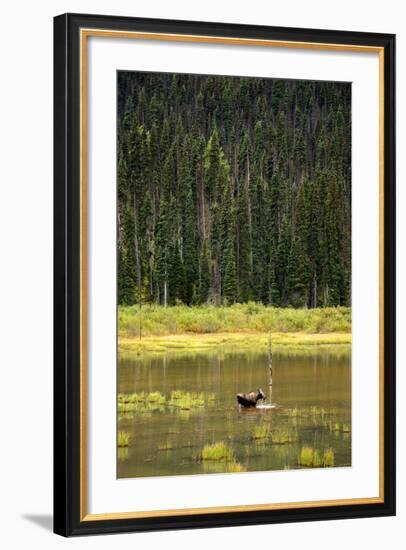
{"x":233,"y":189}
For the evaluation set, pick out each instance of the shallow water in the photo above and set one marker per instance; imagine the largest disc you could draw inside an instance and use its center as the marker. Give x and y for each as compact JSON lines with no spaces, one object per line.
{"x":311,"y":401}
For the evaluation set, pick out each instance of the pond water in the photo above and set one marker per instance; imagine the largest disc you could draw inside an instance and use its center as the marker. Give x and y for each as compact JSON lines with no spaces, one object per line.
{"x":173,"y":406}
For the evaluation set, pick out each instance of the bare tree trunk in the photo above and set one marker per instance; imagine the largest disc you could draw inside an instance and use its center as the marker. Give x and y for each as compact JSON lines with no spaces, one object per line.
{"x":202,"y":199}
{"x":314,"y":290}
{"x":165,"y":293}
{"x":137,"y":261}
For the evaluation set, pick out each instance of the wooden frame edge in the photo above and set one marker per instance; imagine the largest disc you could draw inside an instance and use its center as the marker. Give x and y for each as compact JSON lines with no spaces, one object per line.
{"x":84,"y":33}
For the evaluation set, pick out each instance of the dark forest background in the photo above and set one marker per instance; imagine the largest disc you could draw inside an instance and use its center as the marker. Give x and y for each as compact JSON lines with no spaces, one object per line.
{"x":233,"y":189}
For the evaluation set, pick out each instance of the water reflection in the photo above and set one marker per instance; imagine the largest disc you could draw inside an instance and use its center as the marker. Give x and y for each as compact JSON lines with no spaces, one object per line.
{"x":175,"y":406}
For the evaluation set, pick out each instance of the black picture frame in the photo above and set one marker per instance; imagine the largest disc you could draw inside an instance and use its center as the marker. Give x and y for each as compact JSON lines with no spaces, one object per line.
{"x":67,"y":352}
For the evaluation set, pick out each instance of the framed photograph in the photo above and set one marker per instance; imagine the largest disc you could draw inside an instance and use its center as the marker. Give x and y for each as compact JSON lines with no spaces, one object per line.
{"x":224,"y":253}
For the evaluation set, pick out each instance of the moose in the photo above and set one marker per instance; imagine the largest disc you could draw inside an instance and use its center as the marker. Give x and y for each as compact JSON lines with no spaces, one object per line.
{"x":250,"y":399}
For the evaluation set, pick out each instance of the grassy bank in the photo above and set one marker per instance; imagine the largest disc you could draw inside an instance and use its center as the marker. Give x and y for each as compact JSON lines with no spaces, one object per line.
{"x":229,"y":341}
{"x":201,"y":328}
{"x":157,"y":320}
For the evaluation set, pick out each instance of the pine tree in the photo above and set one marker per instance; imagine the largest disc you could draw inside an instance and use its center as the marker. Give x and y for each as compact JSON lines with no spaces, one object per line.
{"x":230,"y":274}
{"x":233,"y":189}
{"x":282,"y":259}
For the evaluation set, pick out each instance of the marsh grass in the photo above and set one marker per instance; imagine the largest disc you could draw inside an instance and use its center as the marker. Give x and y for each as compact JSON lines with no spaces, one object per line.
{"x":138,"y":408}
{"x":176,"y":394}
{"x":283,"y":437}
{"x":122,"y":454}
{"x":147,"y":403}
{"x":142,"y":402}
{"x":314,"y":416}
{"x":235,"y":467}
{"x":130,"y":397}
{"x":218,"y":451}
{"x":262,"y":431}
{"x":186,"y":401}
{"x":308,"y":412}
{"x":133,"y":398}
{"x":328,"y":458}
{"x":123,"y":439}
{"x":156,"y":397}
{"x":317,"y":460}
{"x":311,"y":458}
{"x":216,"y":467}
{"x":306,"y":456}
{"x":342,"y":428}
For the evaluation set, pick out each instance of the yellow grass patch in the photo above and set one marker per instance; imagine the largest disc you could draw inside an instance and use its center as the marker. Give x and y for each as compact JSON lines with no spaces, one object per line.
{"x":248,"y":340}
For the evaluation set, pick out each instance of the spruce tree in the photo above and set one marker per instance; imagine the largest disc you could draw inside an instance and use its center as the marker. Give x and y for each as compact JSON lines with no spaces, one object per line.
{"x":233,"y":189}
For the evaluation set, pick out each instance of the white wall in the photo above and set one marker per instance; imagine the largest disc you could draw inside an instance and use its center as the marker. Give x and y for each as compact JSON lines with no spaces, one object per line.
{"x":26,"y":269}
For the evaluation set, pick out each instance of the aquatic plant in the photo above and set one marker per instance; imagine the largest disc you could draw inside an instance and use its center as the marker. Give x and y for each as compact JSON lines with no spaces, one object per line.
{"x":294,"y":412}
{"x":187,"y":400}
{"x":318,"y":412}
{"x":138,"y":407}
{"x":140,"y":402}
{"x":311,"y":458}
{"x":311,"y":412}
{"x":306,"y":457}
{"x":283,"y":437}
{"x":153,"y":397}
{"x":176,"y":394}
{"x":156,"y":397}
{"x":123,"y":408}
{"x":343,"y":428}
{"x":328,"y":458}
{"x":123,"y":439}
{"x":317,"y":460}
{"x":235,"y":467}
{"x":218,"y":451}
{"x":219,"y":467}
{"x":261,"y":431}
{"x":131,"y":397}
{"x":166,"y":446}
{"x":122,"y":454}
{"x":125,"y":415}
